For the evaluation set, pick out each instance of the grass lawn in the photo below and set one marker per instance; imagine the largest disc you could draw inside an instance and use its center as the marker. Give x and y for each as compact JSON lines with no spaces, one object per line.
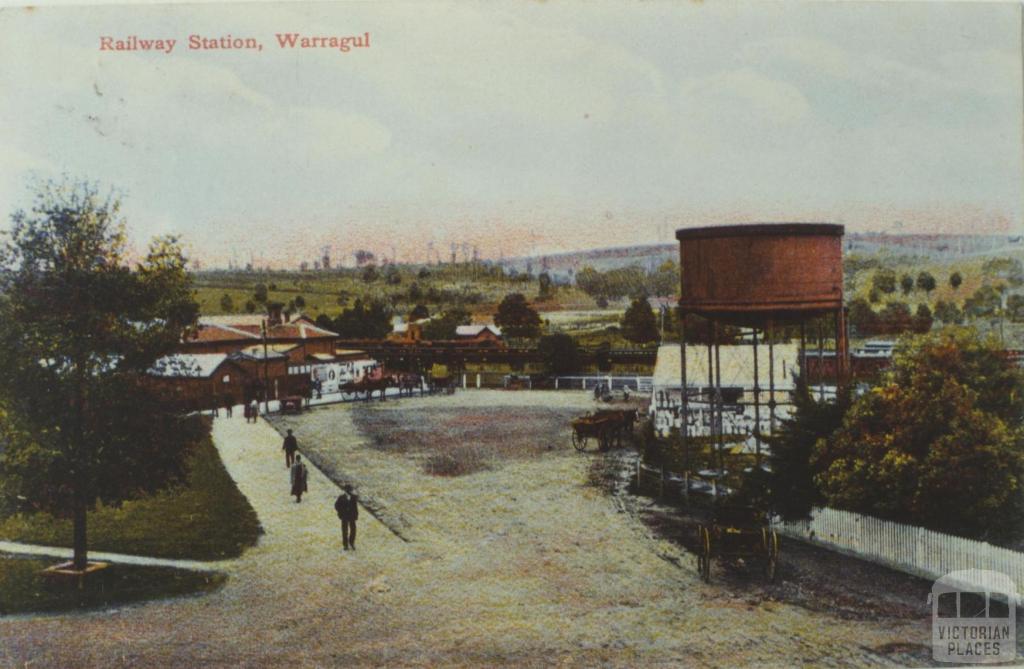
{"x":24,"y":588}
{"x":206,"y":519}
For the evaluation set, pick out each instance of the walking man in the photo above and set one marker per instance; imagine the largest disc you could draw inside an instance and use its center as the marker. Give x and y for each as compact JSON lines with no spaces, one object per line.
{"x":254,"y":410}
{"x":347,"y":506}
{"x":298,"y":476}
{"x":290,"y":446}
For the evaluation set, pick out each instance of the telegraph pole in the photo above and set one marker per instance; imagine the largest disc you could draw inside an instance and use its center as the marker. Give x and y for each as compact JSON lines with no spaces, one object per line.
{"x":266,"y":370}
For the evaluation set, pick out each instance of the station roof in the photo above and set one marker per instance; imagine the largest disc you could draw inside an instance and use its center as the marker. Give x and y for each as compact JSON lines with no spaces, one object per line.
{"x":188,"y":365}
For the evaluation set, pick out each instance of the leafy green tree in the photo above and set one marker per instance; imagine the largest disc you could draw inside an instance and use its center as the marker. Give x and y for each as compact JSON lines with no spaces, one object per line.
{"x":948,"y":312}
{"x":664,"y":281}
{"x":419,"y":312}
{"x":516,"y":317}
{"x":926,"y":282}
{"x":863,"y":318}
{"x":560,"y":354}
{"x":1015,"y":308}
{"x":792,"y":490}
{"x":227,"y":305}
{"x":79,"y":330}
{"x":895,"y":318}
{"x":906,"y":284}
{"x":443,"y":326}
{"x":884,"y":281}
{"x":591,"y":282}
{"x":371,"y":320}
{"x":923,"y":319}
{"x":250,"y":307}
{"x":545,"y":288}
{"x":937,"y":444}
{"x":260,"y":293}
{"x":985,"y":302}
{"x":638,"y":323}
{"x":955,"y":280}
{"x":299,"y":302}
{"x":370,"y":274}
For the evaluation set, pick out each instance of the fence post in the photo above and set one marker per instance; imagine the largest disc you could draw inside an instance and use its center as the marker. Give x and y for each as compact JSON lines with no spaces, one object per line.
{"x":556,"y":383}
{"x":464,"y":381}
{"x":686,"y":487}
{"x":478,"y":380}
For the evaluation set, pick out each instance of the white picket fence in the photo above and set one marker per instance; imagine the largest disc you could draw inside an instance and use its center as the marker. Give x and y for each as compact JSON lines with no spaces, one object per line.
{"x":907,"y":548}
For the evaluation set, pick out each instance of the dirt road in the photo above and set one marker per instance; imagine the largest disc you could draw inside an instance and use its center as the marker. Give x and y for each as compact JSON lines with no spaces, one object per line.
{"x":522,"y":563}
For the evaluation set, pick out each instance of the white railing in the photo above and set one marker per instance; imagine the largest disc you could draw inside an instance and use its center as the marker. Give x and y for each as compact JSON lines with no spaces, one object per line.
{"x":907,"y":548}
{"x":638,"y":384}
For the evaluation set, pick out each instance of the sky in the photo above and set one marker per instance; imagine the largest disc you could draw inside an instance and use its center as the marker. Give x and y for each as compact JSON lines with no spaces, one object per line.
{"x":518,"y":127}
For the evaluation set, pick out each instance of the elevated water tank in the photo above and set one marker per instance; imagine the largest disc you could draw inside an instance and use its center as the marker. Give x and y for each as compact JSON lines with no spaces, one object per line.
{"x":749,"y":274}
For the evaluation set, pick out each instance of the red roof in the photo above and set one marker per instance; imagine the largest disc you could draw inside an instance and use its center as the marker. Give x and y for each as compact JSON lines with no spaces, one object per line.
{"x":299,"y":330}
{"x":213,"y":333}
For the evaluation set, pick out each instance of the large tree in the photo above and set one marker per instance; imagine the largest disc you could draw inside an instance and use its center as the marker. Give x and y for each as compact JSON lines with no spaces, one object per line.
{"x":638,"y":323}
{"x":560,"y":353}
{"x":792,"y":491}
{"x":938,"y":443}
{"x":516,"y":317}
{"x":80,"y":327}
{"x":442,"y":326}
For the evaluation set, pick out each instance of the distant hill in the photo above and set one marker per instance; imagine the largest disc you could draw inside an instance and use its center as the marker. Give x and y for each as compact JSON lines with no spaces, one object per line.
{"x":563,"y":266}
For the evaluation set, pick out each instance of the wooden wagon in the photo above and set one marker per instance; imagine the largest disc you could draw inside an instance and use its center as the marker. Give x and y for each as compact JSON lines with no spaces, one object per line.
{"x":605,"y":427}
{"x":737,"y":534}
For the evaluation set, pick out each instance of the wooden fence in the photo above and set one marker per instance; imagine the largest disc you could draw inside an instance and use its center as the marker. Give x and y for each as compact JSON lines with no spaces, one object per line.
{"x":906,"y":548}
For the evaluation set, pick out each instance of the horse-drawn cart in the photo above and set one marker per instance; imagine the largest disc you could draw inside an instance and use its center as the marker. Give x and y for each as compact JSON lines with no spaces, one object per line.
{"x":737,"y":534}
{"x":605,"y":427}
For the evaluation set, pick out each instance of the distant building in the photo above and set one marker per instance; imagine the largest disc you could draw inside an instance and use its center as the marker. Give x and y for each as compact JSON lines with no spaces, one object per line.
{"x":200,"y":381}
{"x":478,"y":333}
{"x":227,"y":334}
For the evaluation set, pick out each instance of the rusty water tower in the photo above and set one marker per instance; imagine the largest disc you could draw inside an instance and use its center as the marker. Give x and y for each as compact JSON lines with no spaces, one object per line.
{"x":761,"y":276}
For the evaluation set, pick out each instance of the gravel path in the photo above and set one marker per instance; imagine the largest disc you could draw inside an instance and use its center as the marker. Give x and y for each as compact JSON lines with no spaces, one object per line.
{"x":141,"y":560}
{"x":522,"y":564}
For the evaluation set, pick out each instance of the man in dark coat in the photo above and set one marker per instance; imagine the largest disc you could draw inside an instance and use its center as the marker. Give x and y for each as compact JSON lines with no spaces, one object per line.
{"x":298,"y":476}
{"x":347,"y":506}
{"x":290,"y":446}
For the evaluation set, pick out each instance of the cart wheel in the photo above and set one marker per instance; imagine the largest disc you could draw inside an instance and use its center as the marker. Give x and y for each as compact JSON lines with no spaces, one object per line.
{"x":704,"y":553}
{"x":579,"y":441}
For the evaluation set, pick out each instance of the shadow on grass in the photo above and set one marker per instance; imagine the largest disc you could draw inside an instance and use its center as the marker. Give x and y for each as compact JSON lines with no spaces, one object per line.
{"x":25,"y":589}
{"x":207,"y":518}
